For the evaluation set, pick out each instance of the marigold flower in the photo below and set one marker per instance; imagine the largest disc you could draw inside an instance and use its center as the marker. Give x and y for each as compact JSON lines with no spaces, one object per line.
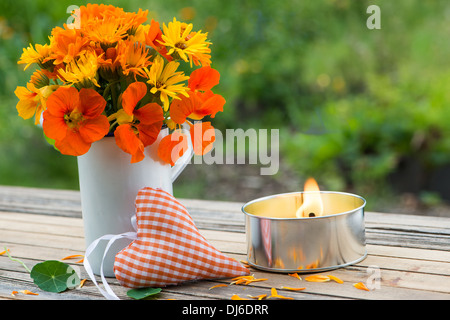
{"x":165,"y":80}
{"x":66,"y":45}
{"x":107,"y":31}
{"x":138,"y":126}
{"x":81,"y":72}
{"x":133,"y":58}
{"x":189,"y":46}
{"x":39,"y":54}
{"x":74,"y":119}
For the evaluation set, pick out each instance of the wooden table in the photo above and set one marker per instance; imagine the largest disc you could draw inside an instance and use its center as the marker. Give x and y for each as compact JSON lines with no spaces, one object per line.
{"x":411,"y":253}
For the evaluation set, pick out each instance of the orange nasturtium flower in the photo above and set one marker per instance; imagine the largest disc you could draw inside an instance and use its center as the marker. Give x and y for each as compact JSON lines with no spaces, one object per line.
{"x":74,"y":119}
{"x":172,"y":147}
{"x":202,"y":137}
{"x":201,"y":101}
{"x":138,"y":127}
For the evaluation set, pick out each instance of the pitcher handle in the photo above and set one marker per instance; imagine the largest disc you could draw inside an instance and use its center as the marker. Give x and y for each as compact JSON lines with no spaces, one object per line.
{"x":183,"y":161}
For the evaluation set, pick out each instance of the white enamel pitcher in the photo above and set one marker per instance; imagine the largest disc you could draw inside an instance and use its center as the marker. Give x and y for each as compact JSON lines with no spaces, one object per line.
{"x":109,"y":184}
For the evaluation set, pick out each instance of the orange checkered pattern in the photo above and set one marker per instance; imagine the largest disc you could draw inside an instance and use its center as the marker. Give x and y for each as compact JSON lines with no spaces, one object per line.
{"x":169,"y":248}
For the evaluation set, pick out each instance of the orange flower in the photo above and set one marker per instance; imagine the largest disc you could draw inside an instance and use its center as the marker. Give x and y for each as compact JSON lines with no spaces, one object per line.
{"x":32,"y":101}
{"x":153,"y":39}
{"x":66,"y":45}
{"x":74,"y":119}
{"x":138,"y":126}
{"x":172,"y":147}
{"x":133,"y":58}
{"x":196,"y":106}
{"x":201,"y":101}
{"x":203,"y":137}
{"x":203,"y":79}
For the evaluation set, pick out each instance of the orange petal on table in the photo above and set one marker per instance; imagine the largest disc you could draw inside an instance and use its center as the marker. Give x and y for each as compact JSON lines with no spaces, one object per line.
{"x":293,"y":289}
{"x":3,"y":252}
{"x":317,"y":278}
{"x":72,"y":256}
{"x":204,"y":78}
{"x":259,"y":297}
{"x":361,"y":286}
{"x":254,"y":280}
{"x":82,"y":283}
{"x":274,"y":294}
{"x":335,"y":279}
{"x":29,"y":292}
{"x":13,"y":293}
{"x":236,"y":297}
{"x":295,"y":275}
{"x":218,"y":286}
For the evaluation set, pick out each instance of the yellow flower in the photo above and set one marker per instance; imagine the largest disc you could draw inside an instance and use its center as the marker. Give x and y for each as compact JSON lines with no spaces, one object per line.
{"x":189,"y":46}
{"x":166,"y":80}
{"x":39,"y":79}
{"x":81,"y":72}
{"x":32,"y":101}
{"x":38,"y":55}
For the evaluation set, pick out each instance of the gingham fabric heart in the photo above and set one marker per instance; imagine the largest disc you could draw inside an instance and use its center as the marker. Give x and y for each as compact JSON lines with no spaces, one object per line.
{"x":169,"y":248}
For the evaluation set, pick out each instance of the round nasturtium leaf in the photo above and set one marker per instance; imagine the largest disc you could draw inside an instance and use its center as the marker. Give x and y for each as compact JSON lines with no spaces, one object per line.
{"x":142,"y":293}
{"x":54,"y":276}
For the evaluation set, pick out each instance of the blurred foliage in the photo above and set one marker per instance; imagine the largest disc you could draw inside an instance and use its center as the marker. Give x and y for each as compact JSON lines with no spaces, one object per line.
{"x":351,"y":103}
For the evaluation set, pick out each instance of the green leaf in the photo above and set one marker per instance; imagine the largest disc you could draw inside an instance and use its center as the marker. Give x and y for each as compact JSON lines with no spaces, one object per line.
{"x":54,"y":276}
{"x":142,"y":293}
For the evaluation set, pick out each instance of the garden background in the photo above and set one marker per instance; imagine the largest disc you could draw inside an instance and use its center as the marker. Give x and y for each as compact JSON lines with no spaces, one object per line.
{"x":363,"y":111}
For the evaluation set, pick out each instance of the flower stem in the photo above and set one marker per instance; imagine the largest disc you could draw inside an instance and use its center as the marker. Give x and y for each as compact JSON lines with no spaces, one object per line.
{"x":17,"y":260}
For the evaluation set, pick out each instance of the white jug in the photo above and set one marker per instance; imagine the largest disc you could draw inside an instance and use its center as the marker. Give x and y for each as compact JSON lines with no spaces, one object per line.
{"x":109,"y":184}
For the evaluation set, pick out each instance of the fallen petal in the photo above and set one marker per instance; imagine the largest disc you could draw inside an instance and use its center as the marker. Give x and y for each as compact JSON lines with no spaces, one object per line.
{"x":361,"y":286}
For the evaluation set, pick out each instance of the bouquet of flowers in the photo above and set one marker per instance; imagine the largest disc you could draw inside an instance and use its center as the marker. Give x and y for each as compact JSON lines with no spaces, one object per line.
{"x":115,"y":74}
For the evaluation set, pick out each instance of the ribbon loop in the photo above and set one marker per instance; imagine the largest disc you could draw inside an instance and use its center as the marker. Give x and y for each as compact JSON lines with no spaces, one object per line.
{"x":109,"y":293}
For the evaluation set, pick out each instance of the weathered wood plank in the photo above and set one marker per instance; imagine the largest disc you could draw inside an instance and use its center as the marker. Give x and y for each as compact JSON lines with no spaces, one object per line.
{"x":411,"y":252}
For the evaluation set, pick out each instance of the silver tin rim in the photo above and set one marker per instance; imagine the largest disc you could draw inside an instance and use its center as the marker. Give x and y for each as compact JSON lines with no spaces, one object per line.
{"x":303,"y":192}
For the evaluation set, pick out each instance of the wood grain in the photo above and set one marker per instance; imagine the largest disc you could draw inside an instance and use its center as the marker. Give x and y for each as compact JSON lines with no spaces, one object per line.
{"x":410,"y":252}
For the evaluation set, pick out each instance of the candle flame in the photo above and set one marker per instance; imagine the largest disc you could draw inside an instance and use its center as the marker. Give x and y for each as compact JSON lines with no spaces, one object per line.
{"x":312,"y":205}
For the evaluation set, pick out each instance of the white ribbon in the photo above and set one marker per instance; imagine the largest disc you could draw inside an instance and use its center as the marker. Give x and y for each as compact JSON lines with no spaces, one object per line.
{"x":109,"y":294}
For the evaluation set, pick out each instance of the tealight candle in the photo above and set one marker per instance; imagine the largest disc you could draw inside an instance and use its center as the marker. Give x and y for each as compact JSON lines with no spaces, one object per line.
{"x":306,"y":231}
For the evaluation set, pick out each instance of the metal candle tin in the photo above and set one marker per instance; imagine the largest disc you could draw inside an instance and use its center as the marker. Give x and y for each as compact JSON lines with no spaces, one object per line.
{"x":278,"y":241}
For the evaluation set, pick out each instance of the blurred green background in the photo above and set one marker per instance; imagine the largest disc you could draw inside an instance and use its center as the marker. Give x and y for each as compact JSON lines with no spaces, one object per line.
{"x":363,"y":111}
